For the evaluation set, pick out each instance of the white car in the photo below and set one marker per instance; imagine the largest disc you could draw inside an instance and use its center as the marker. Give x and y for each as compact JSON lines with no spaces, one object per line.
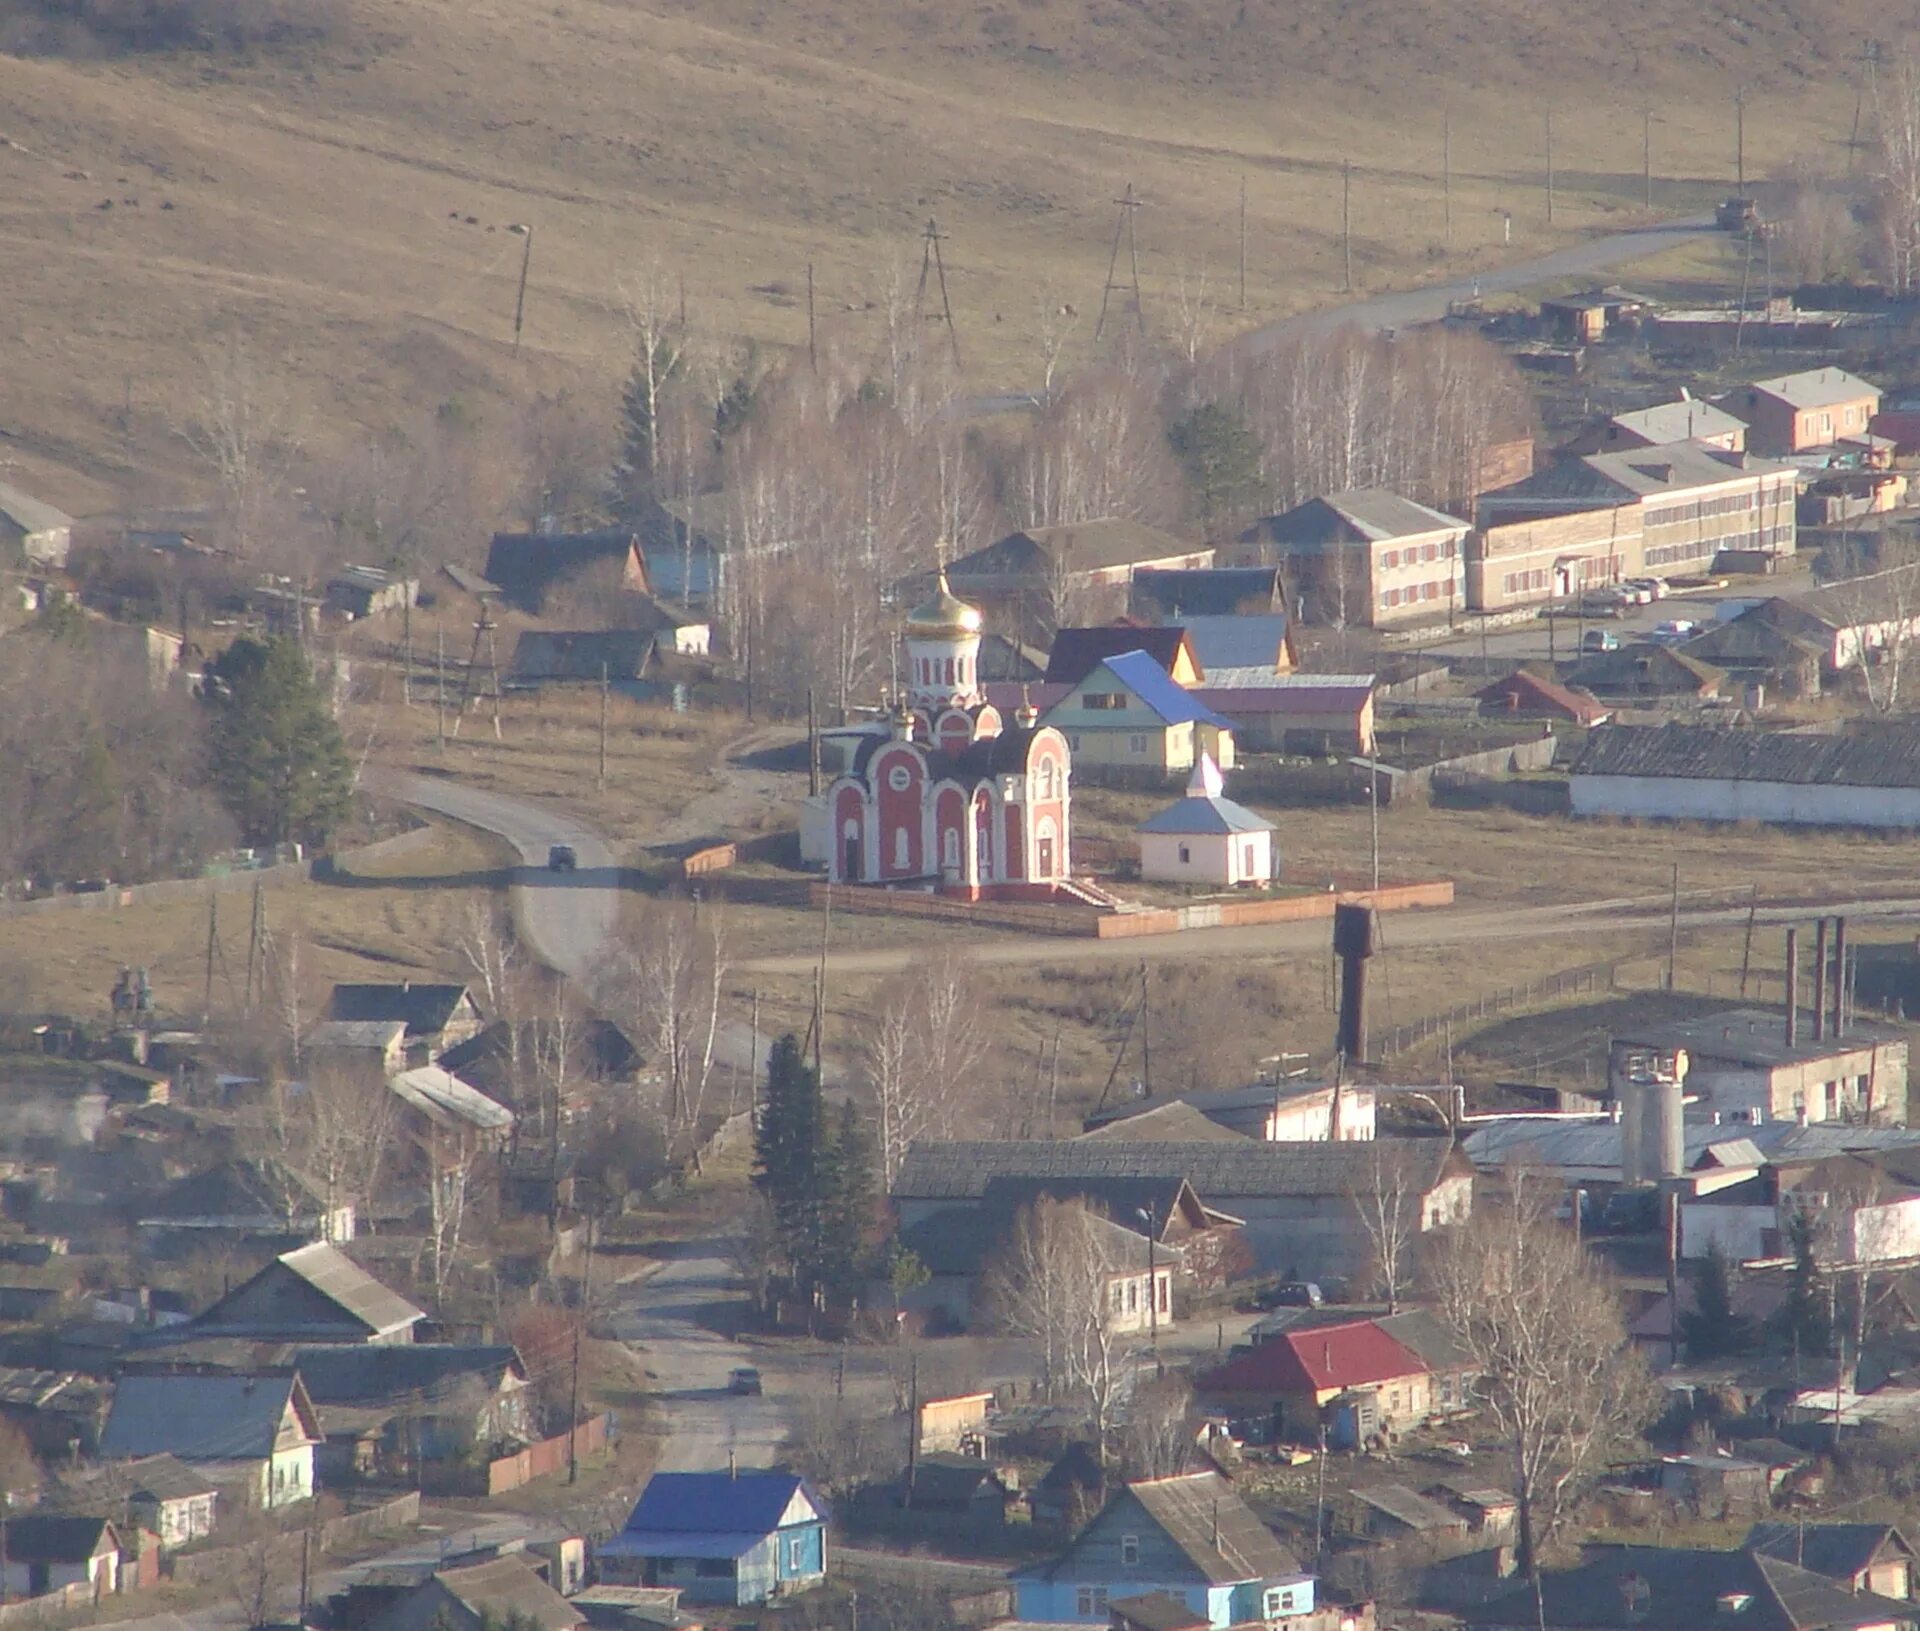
{"x":1674,"y":630}
{"x":1656,"y":588}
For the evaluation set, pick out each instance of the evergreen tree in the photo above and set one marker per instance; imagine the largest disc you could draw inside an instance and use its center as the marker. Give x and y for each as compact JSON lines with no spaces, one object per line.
{"x":277,"y":759}
{"x":1714,"y":1329}
{"x":846,"y":1189}
{"x":1803,"y":1316}
{"x":787,"y":1148}
{"x":640,"y":400}
{"x":1221,"y":459}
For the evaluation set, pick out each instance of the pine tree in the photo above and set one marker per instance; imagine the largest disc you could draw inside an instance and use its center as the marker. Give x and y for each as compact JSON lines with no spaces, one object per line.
{"x":277,"y":759}
{"x":1714,"y":1329}
{"x":1803,"y":1316}
{"x":787,"y":1148}
{"x":1221,"y":459}
{"x":846,"y":1192}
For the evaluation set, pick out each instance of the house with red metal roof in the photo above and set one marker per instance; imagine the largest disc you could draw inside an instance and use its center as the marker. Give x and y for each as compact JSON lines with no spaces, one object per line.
{"x":1349,"y":1376}
{"x":1538,"y":697}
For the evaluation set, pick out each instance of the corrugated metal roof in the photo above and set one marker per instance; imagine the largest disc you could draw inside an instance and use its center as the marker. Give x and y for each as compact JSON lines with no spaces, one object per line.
{"x":341,"y":1280}
{"x":1216,"y":1531}
{"x":1355,"y":1354}
{"x":1254,"y":643}
{"x":717,"y":1503}
{"x":1362,"y":515}
{"x":202,"y":1418}
{"x":1185,"y":595}
{"x":1411,"y":1508}
{"x":1077,"y":653}
{"x":1886,"y":756}
{"x":1689,"y":419}
{"x":1152,"y":684}
{"x":1207,"y":816}
{"x":443,"y":1098}
{"x":30,"y":514}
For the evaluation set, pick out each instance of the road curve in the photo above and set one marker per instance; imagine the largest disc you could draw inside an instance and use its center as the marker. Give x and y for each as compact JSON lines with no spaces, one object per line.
{"x":567,"y":919}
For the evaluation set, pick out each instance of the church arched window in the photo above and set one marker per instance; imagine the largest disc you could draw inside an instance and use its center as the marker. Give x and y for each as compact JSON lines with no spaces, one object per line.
{"x":950,"y":849}
{"x":900,"y":849}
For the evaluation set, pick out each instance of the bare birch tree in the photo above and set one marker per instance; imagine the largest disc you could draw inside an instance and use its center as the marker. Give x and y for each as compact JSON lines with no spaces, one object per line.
{"x":669,"y":980}
{"x":1387,"y":1194}
{"x":243,"y":429}
{"x":1897,"y":181}
{"x":1556,"y":1376}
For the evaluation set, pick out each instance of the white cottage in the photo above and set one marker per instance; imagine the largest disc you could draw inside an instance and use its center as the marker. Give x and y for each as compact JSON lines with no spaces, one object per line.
{"x":1206,"y":838}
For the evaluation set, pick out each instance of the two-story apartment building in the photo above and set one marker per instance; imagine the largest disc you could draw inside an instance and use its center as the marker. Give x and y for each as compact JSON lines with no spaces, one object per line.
{"x":1797,"y":412}
{"x":1601,"y":517}
{"x":1365,"y":558}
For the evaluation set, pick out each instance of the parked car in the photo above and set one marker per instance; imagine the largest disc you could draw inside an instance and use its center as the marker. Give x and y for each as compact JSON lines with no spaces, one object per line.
{"x":1656,"y":588}
{"x":1599,"y":640}
{"x":1609,"y":597}
{"x":560,"y":858}
{"x":1297,"y":1294}
{"x":1674,"y":630}
{"x":743,"y":1379}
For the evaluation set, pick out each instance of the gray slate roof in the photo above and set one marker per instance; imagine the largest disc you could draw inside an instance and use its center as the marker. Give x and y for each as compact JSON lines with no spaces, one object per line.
{"x":1681,"y":421}
{"x":1411,"y":1508}
{"x":1886,"y":756}
{"x":424,"y":1007}
{"x":386,"y":1372}
{"x":1217,"y":1170}
{"x":1214,"y":1528}
{"x":28,"y":513}
{"x":1364,"y":515}
{"x":1839,"y":1551}
{"x":337,"y":1277}
{"x":199,"y":1418}
{"x":1197,"y":814}
{"x":1756,"y":1036}
{"x":1816,"y":388}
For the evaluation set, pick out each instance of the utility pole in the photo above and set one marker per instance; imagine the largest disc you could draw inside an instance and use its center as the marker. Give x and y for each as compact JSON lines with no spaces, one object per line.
{"x":213,"y":942}
{"x":1549,"y":166}
{"x":1446,"y":175}
{"x":931,"y":260}
{"x":1646,"y":156}
{"x":1243,"y":243}
{"x":253,"y":943}
{"x":440,"y":686}
{"x":1346,"y":226}
{"x":1146,"y":1026}
{"x":1123,"y":227}
{"x":1746,"y":951}
{"x":813,"y":349}
{"x":1373,"y":805}
{"x":520,"y":299}
{"x":1740,"y":141}
{"x":603,"y":727}
{"x":1673,"y":935}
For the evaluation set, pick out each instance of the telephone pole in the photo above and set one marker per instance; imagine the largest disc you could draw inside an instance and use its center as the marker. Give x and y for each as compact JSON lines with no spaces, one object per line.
{"x":931,"y":260}
{"x":1646,"y":156}
{"x":1446,"y":175}
{"x":1123,"y":227}
{"x":1243,"y":243}
{"x":813,"y":348}
{"x":1740,"y":141}
{"x":603,"y":727}
{"x":1346,"y":226}
{"x":1549,"y":166}
{"x":520,"y":298}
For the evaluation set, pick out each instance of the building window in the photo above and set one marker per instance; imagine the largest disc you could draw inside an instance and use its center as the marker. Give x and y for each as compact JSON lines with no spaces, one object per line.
{"x":1162,"y":1285}
{"x":1279,"y":1601}
{"x":900,"y":849}
{"x":1129,"y":1550}
{"x":1091,"y":1601}
{"x":797,"y":1553}
{"x":1186,"y":855}
{"x":1106,"y":699}
{"x":1133,"y":1298}
{"x":1136,"y":745}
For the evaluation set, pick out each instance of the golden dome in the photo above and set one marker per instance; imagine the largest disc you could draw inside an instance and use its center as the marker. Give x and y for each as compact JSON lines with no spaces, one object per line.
{"x":945,"y":615}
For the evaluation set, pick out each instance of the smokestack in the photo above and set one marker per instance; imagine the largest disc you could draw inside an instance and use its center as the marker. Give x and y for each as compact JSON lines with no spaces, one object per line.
{"x":1793,"y":986}
{"x":1820,"y":980}
{"x":1353,"y":935}
{"x":1839,"y":976}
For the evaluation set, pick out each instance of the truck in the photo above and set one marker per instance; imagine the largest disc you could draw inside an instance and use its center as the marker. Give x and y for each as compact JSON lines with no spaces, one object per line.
{"x":1737,"y":215}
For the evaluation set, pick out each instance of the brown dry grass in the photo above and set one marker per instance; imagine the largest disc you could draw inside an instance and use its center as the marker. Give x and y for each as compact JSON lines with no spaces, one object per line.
{"x":66,"y":961}
{"x":347,"y":206}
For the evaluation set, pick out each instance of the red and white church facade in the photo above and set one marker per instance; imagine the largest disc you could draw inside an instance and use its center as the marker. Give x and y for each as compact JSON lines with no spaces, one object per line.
{"x":951,"y":796}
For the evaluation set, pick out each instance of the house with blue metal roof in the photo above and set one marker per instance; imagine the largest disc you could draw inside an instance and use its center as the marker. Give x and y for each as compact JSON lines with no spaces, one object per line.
{"x":1129,"y":715}
{"x":721,"y":1537}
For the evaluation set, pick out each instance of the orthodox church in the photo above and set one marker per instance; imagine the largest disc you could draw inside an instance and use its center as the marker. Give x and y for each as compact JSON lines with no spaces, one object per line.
{"x":950,"y":795}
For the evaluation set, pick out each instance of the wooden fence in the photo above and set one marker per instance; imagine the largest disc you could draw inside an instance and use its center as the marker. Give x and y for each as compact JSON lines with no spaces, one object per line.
{"x":509,"y":1472}
{"x":219,"y":1564}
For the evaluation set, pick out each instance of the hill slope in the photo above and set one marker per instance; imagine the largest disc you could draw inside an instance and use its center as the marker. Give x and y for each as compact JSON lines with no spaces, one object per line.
{"x":322,"y":204}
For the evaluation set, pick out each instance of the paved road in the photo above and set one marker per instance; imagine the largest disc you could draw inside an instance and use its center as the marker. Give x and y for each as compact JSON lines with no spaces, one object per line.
{"x":1424,"y":305}
{"x":1404,"y":931}
{"x":567,"y":918}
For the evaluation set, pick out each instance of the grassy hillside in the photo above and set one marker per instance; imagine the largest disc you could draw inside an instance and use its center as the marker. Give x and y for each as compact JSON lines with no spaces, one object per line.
{"x":346,"y":206}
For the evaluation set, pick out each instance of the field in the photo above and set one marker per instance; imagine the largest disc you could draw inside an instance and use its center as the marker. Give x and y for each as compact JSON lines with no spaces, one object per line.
{"x":345,"y":205}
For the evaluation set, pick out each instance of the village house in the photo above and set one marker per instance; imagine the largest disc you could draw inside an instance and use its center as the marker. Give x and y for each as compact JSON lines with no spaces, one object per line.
{"x":1295,"y":1201}
{"x":1349,"y":1378}
{"x":375,"y":1044}
{"x":1867,"y":1213}
{"x":243,"y":1199}
{"x":680,"y":542}
{"x":952,"y":1495}
{"x":721,"y":1537}
{"x":1536,"y":696}
{"x":1070,"y":1491}
{"x":316,"y":1294}
{"x":498,"y":1591}
{"x":1600,"y":517}
{"x":1217,"y":593}
{"x":639,"y":664}
{"x":1395,"y":1512}
{"x":1797,"y":412}
{"x":1077,"y":653}
{"x":170,"y":1499}
{"x":1767,"y":660}
{"x":1716,"y":1484}
{"x":1037,"y":579}
{"x":1366,"y":558}
{"x":1293,"y":713}
{"x":1867,"y":777}
{"x":949,"y":795}
{"x":1649,"y":676}
{"x":254,"y":1431}
{"x":40,"y":534}
{"x":1743,"y":1066}
{"x":1262,"y":645}
{"x":1206,"y":838}
{"x":1869,"y":1557}
{"x":960,"y":1254}
{"x":448,"y":1118}
{"x":437,"y":1017}
{"x":1190,"y":1537}
{"x":47,"y":1551}
{"x":1853,"y":622}
{"x":529,"y":567}
{"x":1129,"y":716}
{"x":1652,"y":1588}
{"x":391,"y":1407}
